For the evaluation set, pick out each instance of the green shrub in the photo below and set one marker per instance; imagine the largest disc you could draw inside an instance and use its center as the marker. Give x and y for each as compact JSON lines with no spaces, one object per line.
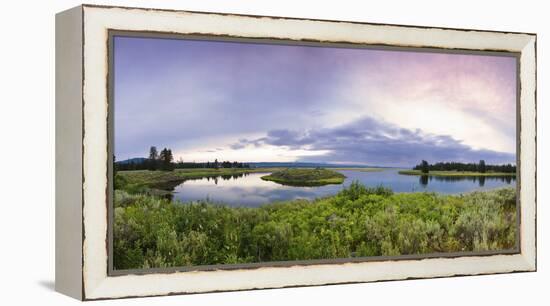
{"x":151,"y":231}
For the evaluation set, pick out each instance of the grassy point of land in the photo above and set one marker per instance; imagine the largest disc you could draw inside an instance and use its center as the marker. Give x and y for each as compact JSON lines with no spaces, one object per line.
{"x":455,"y":173}
{"x":305,"y":177}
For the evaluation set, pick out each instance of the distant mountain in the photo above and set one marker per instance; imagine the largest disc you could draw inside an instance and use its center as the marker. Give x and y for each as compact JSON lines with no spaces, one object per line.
{"x":135,"y":160}
{"x":304,"y":165}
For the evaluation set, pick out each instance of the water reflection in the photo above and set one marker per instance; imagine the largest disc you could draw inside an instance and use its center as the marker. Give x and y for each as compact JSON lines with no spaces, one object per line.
{"x":479,"y":180}
{"x":251,"y":191}
{"x":424,"y":180}
{"x":225,"y":177}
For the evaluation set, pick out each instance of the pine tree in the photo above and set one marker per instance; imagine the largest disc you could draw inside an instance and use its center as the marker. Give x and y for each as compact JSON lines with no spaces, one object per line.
{"x":425,"y":167}
{"x":482,"y":167}
{"x":165,"y":159}
{"x":153,"y":158}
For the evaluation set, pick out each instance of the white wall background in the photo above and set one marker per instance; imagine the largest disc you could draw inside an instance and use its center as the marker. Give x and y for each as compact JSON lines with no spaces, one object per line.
{"x":27,"y":134}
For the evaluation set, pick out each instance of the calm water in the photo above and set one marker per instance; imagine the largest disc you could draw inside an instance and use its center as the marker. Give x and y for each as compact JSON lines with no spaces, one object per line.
{"x":250,"y":190}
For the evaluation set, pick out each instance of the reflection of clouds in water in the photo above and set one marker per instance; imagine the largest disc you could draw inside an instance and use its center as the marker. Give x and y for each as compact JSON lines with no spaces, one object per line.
{"x":252,"y":191}
{"x":249,"y":190}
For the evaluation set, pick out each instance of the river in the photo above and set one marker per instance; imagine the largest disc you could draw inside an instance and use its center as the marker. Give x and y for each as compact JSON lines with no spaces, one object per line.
{"x":251,"y":191}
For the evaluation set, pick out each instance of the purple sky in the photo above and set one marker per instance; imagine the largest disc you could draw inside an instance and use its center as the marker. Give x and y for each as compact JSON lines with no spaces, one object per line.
{"x":261,"y":102}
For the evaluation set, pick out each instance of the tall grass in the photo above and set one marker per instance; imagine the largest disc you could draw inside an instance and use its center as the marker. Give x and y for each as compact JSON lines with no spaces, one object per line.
{"x":357,"y":222}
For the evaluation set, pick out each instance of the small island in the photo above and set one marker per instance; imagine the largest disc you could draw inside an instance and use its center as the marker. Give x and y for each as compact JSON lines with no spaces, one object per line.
{"x":303,"y":177}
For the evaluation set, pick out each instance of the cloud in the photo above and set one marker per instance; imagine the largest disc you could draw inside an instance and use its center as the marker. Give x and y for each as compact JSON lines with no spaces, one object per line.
{"x":196,"y":96}
{"x":471,"y":97}
{"x":375,"y":142}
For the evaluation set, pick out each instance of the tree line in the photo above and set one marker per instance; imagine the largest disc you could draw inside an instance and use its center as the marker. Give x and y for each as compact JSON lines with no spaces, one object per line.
{"x":482,"y":167}
{"x":165,"y":161}
{"x":213,"y":165}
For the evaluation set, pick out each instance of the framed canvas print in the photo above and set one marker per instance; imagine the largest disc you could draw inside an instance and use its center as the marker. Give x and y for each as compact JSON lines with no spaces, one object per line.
{"x":201,"y":152}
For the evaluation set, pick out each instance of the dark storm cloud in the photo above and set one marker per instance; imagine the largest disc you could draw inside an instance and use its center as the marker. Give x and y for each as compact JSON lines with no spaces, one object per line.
{"x":374,"y":142}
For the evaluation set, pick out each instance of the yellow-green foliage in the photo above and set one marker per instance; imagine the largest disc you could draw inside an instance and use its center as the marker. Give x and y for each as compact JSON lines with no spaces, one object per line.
{"x":358,"y":221}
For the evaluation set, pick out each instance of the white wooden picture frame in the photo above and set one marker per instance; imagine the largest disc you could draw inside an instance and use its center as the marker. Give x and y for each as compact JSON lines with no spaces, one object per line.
{"x":82,"y":154}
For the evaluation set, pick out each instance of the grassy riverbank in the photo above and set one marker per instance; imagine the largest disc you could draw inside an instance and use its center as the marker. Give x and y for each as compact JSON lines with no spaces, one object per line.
{"x":455,"y":173}
{"x":151,"y":231}
{"x":305,"y":177}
